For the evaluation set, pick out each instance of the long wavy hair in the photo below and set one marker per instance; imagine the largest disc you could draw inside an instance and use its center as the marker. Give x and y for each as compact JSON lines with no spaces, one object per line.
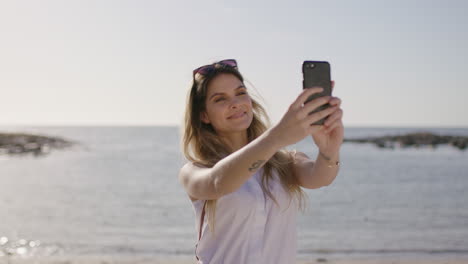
{"x":202,"y":146}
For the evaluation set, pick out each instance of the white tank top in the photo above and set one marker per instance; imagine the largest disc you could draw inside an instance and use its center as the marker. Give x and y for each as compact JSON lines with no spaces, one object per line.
{"x":249,"y":226}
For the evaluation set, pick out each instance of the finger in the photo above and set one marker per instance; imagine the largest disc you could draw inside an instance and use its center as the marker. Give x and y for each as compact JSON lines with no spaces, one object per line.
{"x":329,"y":129}
{"x":320,"y":114}
{"x":333,"y":117}
{"x":314,"y":128}
{"x":314,"y":104}
{"x":335,"y":101}
{"x":332,"y":85}
{"x":304,"y":95}
{"x":333,"y":126}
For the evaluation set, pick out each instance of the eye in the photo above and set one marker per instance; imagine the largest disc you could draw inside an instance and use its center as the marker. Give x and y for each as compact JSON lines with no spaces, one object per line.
{"x":219,"y":99}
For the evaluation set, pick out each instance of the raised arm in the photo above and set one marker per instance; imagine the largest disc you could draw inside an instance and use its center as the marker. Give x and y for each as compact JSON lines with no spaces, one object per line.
{"x":314,"y":175}
{"x":230,"y":173}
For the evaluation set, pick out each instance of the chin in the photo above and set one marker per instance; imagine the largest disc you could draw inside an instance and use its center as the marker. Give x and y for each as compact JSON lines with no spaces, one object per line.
{"x":246,"y":123}
{"x":242,"y":125}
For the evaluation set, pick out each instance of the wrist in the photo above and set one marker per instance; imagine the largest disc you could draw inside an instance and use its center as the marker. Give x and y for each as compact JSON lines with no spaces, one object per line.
{"x":274,"y":137}
{"x":333,"y":160}
{"x":271,"y":137}
{"x":330,"y":153}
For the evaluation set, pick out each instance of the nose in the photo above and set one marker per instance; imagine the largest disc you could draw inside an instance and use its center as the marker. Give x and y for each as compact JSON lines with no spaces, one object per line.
{"x":235,"y":103}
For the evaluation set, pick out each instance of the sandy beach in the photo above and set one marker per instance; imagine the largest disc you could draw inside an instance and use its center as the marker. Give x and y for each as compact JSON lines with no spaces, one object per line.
{"x":188,"y":260}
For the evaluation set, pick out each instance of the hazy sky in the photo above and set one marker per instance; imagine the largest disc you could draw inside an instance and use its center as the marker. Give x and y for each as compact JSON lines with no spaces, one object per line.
{"x":395,"y":63}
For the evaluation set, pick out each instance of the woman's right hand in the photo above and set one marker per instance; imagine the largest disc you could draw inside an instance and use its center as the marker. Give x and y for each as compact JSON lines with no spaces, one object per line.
{"x":296,"y":123}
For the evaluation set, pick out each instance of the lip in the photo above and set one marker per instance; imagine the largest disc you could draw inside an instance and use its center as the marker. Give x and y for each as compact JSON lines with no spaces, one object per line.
{"x":237,"y":115}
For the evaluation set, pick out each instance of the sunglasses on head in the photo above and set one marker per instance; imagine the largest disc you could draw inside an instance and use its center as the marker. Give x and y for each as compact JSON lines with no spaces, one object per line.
{"x":203,"y":70}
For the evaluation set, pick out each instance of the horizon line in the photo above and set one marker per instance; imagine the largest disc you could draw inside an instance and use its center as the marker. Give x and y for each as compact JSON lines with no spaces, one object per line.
{"x":174,"y":125}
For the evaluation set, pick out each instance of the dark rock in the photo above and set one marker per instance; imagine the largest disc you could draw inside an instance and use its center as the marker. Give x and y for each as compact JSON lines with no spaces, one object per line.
{"x":418,"y":139}
{"x":21,"y":143}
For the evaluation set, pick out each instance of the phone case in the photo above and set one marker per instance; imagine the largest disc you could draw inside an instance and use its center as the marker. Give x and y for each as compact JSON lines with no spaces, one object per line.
{"x":317,"y":73}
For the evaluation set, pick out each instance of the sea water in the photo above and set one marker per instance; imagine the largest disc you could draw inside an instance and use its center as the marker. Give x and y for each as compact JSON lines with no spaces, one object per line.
{"x":117,"y":193}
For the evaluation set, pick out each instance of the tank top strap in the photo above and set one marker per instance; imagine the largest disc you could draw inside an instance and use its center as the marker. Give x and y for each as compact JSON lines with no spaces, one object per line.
{"x":202,"y":219}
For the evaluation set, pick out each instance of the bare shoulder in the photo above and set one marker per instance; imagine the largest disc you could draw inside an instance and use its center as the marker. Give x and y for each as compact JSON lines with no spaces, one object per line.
{"x":187,"y":174}
{"x":188,"y":169}
{"x":184,"y":173}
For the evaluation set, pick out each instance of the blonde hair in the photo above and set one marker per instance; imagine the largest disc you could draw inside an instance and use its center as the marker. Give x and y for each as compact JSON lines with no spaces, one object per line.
{"x":203,"y":147}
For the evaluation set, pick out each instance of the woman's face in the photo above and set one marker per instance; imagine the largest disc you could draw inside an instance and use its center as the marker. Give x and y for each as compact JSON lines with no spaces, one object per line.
{"x":228,"y":105}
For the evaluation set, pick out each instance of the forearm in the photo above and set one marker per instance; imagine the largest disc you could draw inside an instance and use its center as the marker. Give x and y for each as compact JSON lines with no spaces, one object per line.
{"x":325,"y":167}
{"x":232,"y":172}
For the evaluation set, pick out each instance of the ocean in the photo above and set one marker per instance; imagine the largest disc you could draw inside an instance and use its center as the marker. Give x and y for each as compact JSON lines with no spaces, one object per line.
{"x":117,"y":193}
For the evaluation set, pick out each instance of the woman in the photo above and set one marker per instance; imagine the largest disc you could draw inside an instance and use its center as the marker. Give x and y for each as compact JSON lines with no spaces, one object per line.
{"x":239,"y":173}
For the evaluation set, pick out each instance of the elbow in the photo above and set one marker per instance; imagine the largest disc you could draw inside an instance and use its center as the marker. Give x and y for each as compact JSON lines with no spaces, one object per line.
{"x":324,"y":184}
{"x":329,"y":181}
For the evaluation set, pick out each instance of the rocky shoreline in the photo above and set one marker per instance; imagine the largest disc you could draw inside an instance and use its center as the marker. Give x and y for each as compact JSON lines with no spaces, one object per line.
{"x":22,"y":143}
{"x":414,"y":140}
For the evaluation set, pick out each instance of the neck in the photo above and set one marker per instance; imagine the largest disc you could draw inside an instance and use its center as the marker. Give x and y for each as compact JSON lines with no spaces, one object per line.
{"x":236,"y":140}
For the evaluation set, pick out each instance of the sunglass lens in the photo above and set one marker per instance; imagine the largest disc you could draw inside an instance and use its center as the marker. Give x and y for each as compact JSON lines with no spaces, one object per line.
{"x":231,"y":63}
{"x":203,"y":70}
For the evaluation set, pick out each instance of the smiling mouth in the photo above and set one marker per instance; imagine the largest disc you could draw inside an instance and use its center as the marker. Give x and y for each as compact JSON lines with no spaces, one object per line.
{"x":238,"y":115}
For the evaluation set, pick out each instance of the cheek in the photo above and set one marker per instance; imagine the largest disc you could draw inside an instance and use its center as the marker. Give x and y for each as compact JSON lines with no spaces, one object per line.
{"x":218,"y":108}
{"x":247,"y":101}
{"x":215,"y":112}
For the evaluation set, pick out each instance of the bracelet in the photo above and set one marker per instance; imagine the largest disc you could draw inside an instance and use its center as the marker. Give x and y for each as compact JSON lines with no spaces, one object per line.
{"x":330,"y":164}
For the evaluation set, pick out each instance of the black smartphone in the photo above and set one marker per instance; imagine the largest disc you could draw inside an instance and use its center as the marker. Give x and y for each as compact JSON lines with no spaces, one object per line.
{"x":317,"y":73}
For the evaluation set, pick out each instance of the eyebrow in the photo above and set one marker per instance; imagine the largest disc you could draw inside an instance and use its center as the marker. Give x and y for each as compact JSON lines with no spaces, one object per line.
{"x":240,"y":86}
